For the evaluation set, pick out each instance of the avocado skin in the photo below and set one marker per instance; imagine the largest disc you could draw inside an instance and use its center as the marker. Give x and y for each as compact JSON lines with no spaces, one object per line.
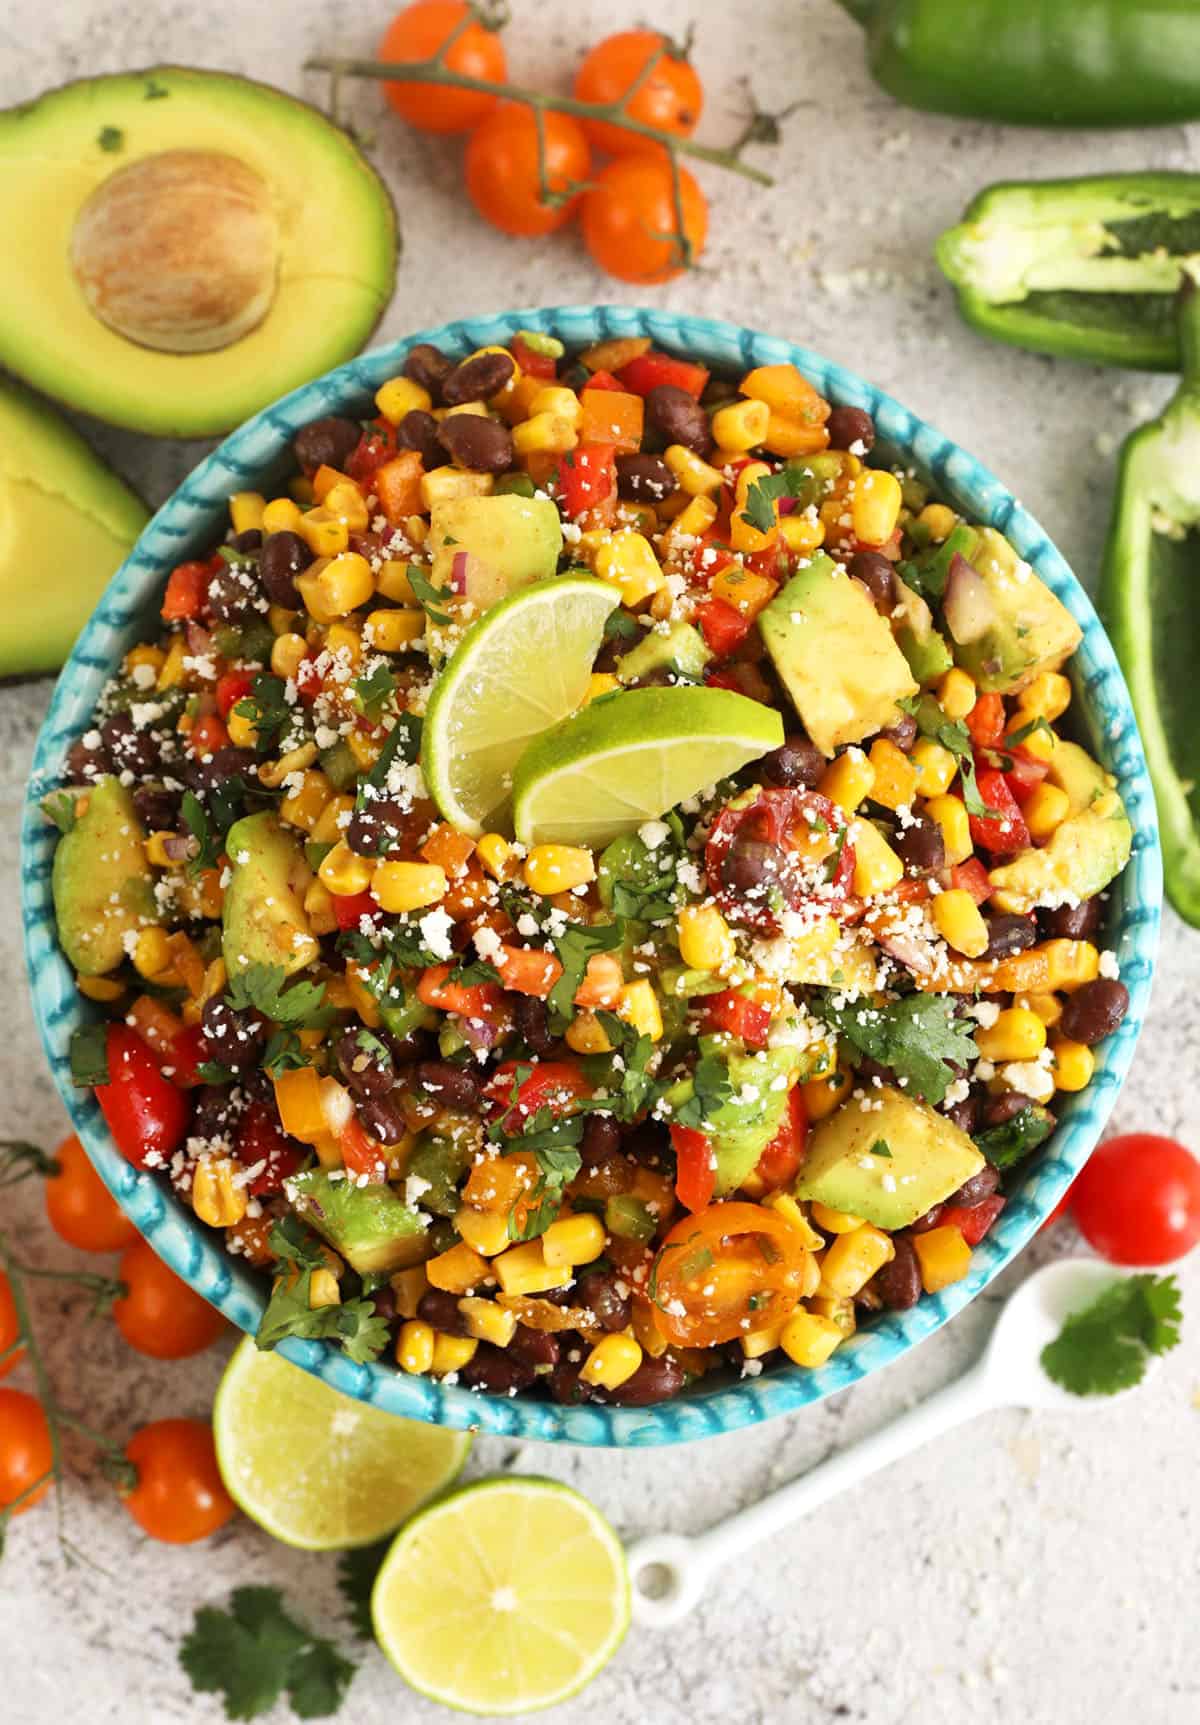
{"x":263,"y":918}
{"x":367,"y":1225}
{"x":102,"y":885}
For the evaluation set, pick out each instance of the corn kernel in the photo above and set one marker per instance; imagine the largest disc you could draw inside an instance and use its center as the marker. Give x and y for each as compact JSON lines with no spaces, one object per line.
{"x":1070,"y":963}
{"x":144,"y":655}
{"x":705,"y":938}
{"x":639,"y":1008}
{"x":1047,"y":1006}
{"x":586,"y":1035}
{"x":627,"y":559}
{"x":345,"y":501}
{"x":789,"y":1211}
{"x":612,"y":1362}
{"x":692,"y":475}
{"x":802,"y":533}
{"x":451,"y":1353}
{"x":402,"y":886}
{"x":281,"y":515}
{"x":551,"y":869}
{"x":323,"y":1290}
{"x":155,"y":849}
{"x":1045,"y":810}
{"x":400,"y":396}
{"x":246,"y":511}
{"x":560,"y":402}
{"x":790,"y":437}
{"x":312,"y":599}
{"x":957,"y":919}
{"x":853,"y":1259}
{"x":302,"y":806}
{"x":1040,"y":744}
{"x":102,"y":988}
{"x":760,"y":1342}
{"x":487,"y":1321}
{"x":171,"y":674}
{"x":486,"y":1231}
{"x":573,"y":1240}
{"x":393,"y":631}
{"x":895,"y":782}
{"x":446,"y":484}
{"x":151,"y":953}
{"x":288,"y":652}
{"x":494,"y":853}
{"x":523,"y":1270}
{"x":216,"y":1200}
{"x":414,"y":1346}
{"x":333,"y":819}
{"x":950,"y":813}
{"x":848,"y":780}
{"x":1047,"y":697}
{"x":838,"y":1310}
{"x":544,"y":434}
{"x":408,"y":1286}
{"x":823,"y":1095}
{"x":834,"y":1221}
{"x":345,"y":583}
{"x":875,"y":506}
{"x":1074,"y":1064}
{"x":741,"y":426}
{"x":318,"y":908}
{"x":944,"y":1257}
{"x":323,"y":533}
{"x":935,"y":766}
{"x":957,"y":693}
{"x":939,"y":523}
{"x":877,"y":868}
{"x":344,"y":872}
{"x":808,"y":1339}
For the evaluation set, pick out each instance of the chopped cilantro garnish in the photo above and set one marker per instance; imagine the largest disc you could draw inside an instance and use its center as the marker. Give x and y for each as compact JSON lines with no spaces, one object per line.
{"x":267,"y":709}
{"x":880,"y":1147}
{"x":373,"y":692}
{"x":430,"y":598}
{"x":354,"y":1323}
{"x":918,"y":1037}
{"x":297,"y":1006}
{"x":110,"y":139}
{"x":207,"y":839}
{"x":574,"y":947}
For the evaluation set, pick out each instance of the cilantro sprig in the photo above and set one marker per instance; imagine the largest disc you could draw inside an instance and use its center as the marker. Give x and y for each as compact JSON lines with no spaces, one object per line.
{"x":265,"y":988}
{"x":256,"y":1652}
{"x":354,"y":1323}
{"x":267,"y":709}
{"x":918,"y":1037}
{"x":1105,"y":1347}
{"x":573,"y":948}
{"x":373,"y":692}
{"x":711,"y":1089}
{"x":204,"y":834}
{"x":430,"y":598}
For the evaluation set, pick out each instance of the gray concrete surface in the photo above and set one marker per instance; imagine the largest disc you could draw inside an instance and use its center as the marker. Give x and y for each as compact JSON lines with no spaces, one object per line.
{"x":1033,"y":1569}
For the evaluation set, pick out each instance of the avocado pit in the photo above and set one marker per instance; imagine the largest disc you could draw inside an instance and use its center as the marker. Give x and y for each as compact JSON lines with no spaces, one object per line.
{"x":179,"y":251}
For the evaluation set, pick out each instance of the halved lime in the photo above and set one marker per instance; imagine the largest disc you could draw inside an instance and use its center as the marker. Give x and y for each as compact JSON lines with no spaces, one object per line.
{"x":508,"y":1596}
{"x":630,"y":757}
{"x":316,"y":1469}
{"x":521,"y":668}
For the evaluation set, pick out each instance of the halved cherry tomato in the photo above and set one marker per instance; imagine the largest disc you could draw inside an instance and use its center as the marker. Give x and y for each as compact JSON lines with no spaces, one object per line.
{"x":1003,"y":831}
{"x":775,"y":851}
{"x":146,"y":1114}
{"x":695,"y":1167}
{"x":780,"y":1161}
{"x":552,"y":1084}
{"x":723,"y":626}
{"x":669,"y":98}
{"x":985,"y":721}
{"x":522,"y":182}
{"x":188,"y":1052}
{"x":630,"y":222}
{"x":973,"y":1222}
{"x":469,"y":1000}
{"x":972,"y":877}
{"x":159,"y":1314}
{"x":649,"y":370}
{"x":25,"y":1452}
{"x":10,"y":1330}
{"x":186,"y":597}
{"x":81,"y":1209}
{"x":530,"y":362}
{"x":363,"y":1155}
{"x":721,"y":1266}
{"x":262,"y":1140}
{"x":179,"y":1496}
{"x":738,"y":1014}
{"x":232,"y":687}
{"x":350,"y":908}
{"x":587,"y":481}
{"x":527,"y":970}
{"x":1137,"y":1200}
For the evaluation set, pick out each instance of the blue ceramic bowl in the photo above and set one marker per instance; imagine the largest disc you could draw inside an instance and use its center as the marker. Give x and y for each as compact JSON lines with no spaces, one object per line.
{"x":190,"y":521}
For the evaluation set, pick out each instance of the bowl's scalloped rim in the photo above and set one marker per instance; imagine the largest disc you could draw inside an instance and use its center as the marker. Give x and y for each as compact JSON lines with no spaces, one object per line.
{"x":190,"y":518}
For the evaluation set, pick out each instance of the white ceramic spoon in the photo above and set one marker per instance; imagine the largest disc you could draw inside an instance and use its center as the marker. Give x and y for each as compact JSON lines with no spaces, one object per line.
{"x":1007,"y":1375}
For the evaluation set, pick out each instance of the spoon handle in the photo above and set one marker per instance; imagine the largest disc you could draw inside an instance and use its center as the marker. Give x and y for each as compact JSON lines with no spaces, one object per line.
{"x":684,"y":1565}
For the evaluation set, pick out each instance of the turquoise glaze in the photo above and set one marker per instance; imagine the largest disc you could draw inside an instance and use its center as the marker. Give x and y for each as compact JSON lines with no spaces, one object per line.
{"x":194,"y":517}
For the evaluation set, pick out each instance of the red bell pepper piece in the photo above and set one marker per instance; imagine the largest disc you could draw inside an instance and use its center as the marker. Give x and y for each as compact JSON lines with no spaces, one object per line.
{"x":649,"y":370}
{"x":376,"y":446}
{"x":972,"y":877}
{"x":1025,"y":774}
{"x":309,"y":681}
{"x":985,"y":721}
{"x":587,"y":479}
{"x":739,"y":1015}
{"x":552,"y":1084}
{"x":189,"y":1051}
{"x":207,"y":735}
{"x":361,"y":1153}
{"x":261,"y":1139}
{"x":531,"y":363}
{"x":723,"y":626}
{"x":695,"y":1173}
{"x":469,"y":1000}
{"x":723,"y":680}
{"x":145,"y":1113}
{"x":233,"y":687}
{"x":186,"y":596}
{"x":780,"y":1161}
{"x":349,"y":909}
{"x":603,"y":380}
{"x":972,"y":1223}
{"x":1002,"y":831}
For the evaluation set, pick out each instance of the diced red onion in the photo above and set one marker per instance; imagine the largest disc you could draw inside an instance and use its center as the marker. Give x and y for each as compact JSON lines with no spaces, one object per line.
{"x":480,"y":1034}
{"x":969,"y":608}
{"x":788,"y":505}
{"x":460,"y":570}
{"x":199,"y":640}
{"x":179,"y":847}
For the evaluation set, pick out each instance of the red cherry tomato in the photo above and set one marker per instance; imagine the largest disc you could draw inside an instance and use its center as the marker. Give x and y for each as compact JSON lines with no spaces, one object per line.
{"x":504,"y":174}
{"x":160,"y":1315}
{"x":722,"y":1266}
{"x":261,"y":1140}
{"x":9,"y":1328}
{"x":695,"y":1167}
{"x":189,"y":1051}
{"x":552,"y":1084}
{"x":179,"y":1496}
{"x":416,"y":34}
{"x":669,"y":99}
{"x":629,"y":220}
{"x":146,"y":1114}
{"x":778,"y":848}
{"x":25,"y":1453}
{"x":723,"y":626}
{"x":738,"y":1014}
{"x":81,"y":1209}
{"x":1003,"y":830}
{"x":780,"y":1161}
{"x":1137,"y":1200}
{"x":974,"y":1221}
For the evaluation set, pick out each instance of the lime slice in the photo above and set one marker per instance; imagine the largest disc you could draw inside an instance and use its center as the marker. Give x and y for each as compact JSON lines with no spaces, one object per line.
{"x":506,"y":1597}
{"x":316,"y":1469}
{"x":521,"y":668}
{"x":630,"y":757}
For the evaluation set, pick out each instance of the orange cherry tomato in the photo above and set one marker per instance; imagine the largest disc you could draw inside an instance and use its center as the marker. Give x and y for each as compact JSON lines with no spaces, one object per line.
{"x":670,"y":99}
{"x":629,"y":222}
{"x":25,"y":1453}
{"x":503,"y":178}
{"x":9,"y":1328}
{"x":416,"y":34}
{"x":724,"y":1270}
{"x":179,"y":1496}
{"x":81,"y":1209}
{"x":160,"y":1315}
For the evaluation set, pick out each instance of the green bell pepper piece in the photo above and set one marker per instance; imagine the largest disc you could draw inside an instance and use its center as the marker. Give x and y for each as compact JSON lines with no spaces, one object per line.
{"x":1148,"y":602}
{"x":1087,"y":268}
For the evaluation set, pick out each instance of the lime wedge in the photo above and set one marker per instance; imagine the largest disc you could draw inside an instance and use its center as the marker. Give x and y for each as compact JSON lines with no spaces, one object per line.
{"x":630,"y":757}
{"x":521,"y":668}
{"x":316,"y":1469}
{"x":508,"y":1596}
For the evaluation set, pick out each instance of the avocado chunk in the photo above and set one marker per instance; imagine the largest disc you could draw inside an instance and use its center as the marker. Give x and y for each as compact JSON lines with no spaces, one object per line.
{"x":61,"y":510}
{"x":264,"y":919}
{"x":742,"y":1127}
{"x":835,"y":655}
{"x":366,"y":1225}
{"x":1086,"y":852}
{"x":927,"y":656}
{"x":168,"y":246}
{"x":510,"y":541}
{"x":1031,"y":630}
{"x":680,"y":649}
{"x":1074,"y":771}
{"x":103,"y":887}
{"x":929,"y":1159}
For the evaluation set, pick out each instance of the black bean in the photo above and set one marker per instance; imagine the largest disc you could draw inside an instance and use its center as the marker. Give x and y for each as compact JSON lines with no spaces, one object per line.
{"x":375,"y":827}
{"x":495,"y":1371}
{"x":564,"y":1382}
{"x":477,"y":379}
{"x":232,"y":762}
{"x":977,"y":1188}
{"x":929,"y":1220}
{"x":648,"y":1142}
{"x":384,"y":1302}
{"x":85,"y":764}
{"x":478,"y":444}
{"x":536,"y":1348}
{"x":921,"y":847}
{"x":533,"y":1023}
{"x":751,"y":866}
{"x":452,"y":1086}
{"x":1095,"y":1010}
{"x":849,"y":425}
{"x":654,"y":1381}
{"x":129,"y":748}
{"x":233,"y":592}
{"x":383,"y":1118}
{"x":419,"y":430}
{"x":216,"y":1110}
{"x":643,"y":478}
{"x":234,"y":1036}
{"x":1008,"y":933}
{"x":440,"y":1309}
{"x":965,"y":1114}
{"x":598,"y":1292}
{"x":367,"y":1070}
{"x":601,"y":1138}
{"x":250,"y":540}
{"x":428,"y":366}
{"x":876,"y":575}
{"x":158,"y":810}
{"x":797,"y":761}
{"x":326,"y":442}
{"x":898,"y":1283}
{"x":678,"y":418}
{"x":903,"y":733}
{"x":999,"y":1110}
{"x":284,"y":556}
{"x":1072,"y":921}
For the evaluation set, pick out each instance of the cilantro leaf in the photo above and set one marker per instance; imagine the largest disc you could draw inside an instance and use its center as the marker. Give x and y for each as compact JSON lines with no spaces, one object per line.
{"x":574,"y":947}
{"x":1103,"y":1348}
{"x":711,"y":1089}
{"x":261,"y":986}
{"x":254,"y":1652}
{"x":373,"y":692}
{"x":1006,"y":1144}
{"x":354,"y":1323}
{"x":88,"y":1054}
{"x":619,"y":625}
{"x":470,"y":973}
{"x":356,"y":1572}
{"x":881,"y":1147}
{"x":636,"y":1088}
{"x":953,"y":734}
{"x":1024,"y":731}
{"x":267,"y":709}
{"x":318,"y":1680}
{"x":558,"y":1163}
{"x":206,"y":839}
{"x":919,"y":1037}
{"x":762,"y":496}
{"x":213,"y":1072}
{"x":283,"y":1053}
{"x":429,"y":597}
{"x":641,"y":884}
{"x":110,"y":139}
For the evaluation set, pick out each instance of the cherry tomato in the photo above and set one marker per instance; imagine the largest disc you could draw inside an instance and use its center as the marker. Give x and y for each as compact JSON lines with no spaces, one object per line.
{"x":780,"y":1161}
{"x":1137,"y":1200}
{"x":695,"y":1169}
{"x":179,"y":1496}
{"x":261,"y":1140}
{"x":552,"y":1084}
{"x":722,"y":1266}
{"x":670,"y":99}
{"x":145,"y":1113}
{"x":25,"y":1453}
{"x":9,"y":1328}
{"x":1003,"y":831}
{"x":416,"y":34}
{"x":503,"y":177}
{"x":778,"y":847}
{"x":629,"y":219}
{"x":160,"y":1315}
{"x":738,"y":1014}
{"x":81,"y":1209}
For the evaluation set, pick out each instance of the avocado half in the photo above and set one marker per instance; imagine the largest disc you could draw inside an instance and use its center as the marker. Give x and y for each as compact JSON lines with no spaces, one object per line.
{"x":66,"y":522}
{"x":185,"y":246}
